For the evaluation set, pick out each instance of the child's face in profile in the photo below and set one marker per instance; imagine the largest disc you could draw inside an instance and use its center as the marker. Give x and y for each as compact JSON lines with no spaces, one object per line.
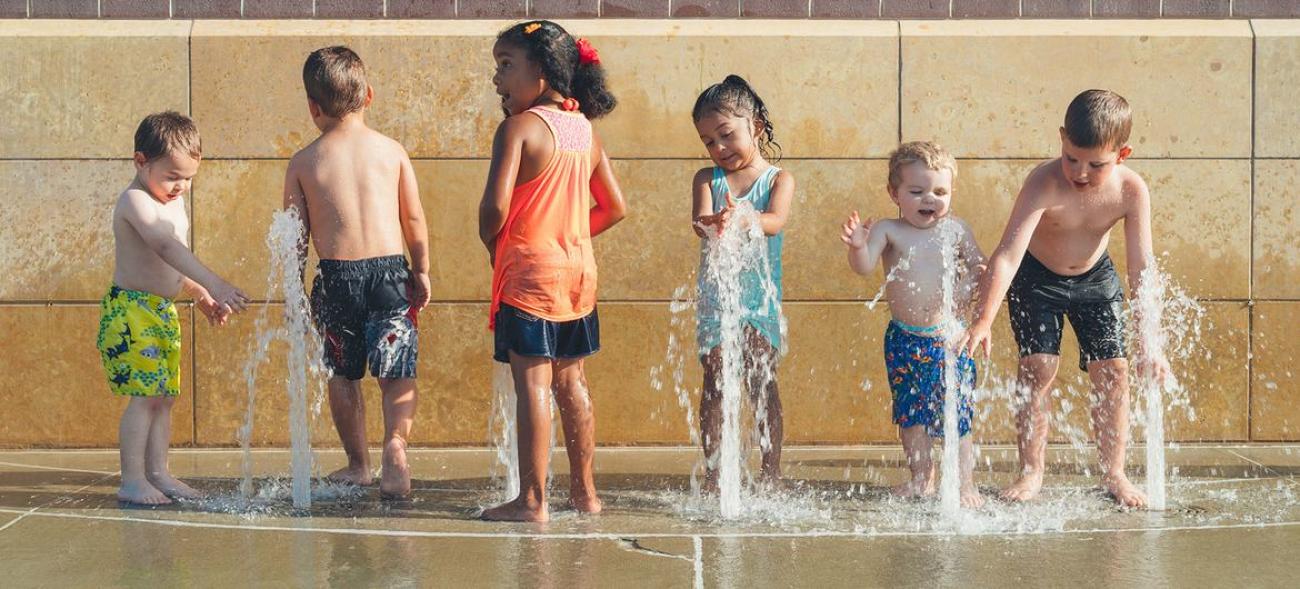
{"x":729,"y":139}
{"x":166,"y":177}
{"x":924,"y":195}
{"x":519,"y":82}
{"x":1087,"y":168}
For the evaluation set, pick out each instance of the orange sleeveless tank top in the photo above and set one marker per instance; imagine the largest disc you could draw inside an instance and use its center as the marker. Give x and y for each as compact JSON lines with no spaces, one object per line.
{"x":544,"y":260}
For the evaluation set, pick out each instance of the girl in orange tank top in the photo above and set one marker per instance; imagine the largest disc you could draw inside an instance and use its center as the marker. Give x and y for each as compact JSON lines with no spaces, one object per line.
{"x":537,"y":222}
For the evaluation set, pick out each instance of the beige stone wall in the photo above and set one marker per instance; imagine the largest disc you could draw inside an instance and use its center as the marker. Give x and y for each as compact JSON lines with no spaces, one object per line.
{"x":1215,"y":135}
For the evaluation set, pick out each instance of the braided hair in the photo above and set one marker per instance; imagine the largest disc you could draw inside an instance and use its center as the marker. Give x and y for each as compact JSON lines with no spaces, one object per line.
{"x":555,"y":52}
{"x":734,"y":96}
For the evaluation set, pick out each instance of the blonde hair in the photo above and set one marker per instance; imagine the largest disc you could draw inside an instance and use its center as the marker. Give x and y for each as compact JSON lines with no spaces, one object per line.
{"x":929,"y":154}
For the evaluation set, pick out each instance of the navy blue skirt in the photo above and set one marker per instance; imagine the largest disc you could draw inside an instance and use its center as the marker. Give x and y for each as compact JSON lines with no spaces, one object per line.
{"x":526,"y":334}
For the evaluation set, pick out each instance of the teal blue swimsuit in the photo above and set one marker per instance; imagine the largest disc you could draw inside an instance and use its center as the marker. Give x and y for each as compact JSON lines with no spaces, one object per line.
{"x":761,"y":313}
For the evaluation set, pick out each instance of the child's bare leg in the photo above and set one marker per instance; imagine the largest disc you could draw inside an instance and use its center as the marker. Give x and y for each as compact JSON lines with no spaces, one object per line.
{"x":711,"y":417}
{"x":970,"y":494}
{"x":766,"y":398}
{"x":533,"y":421}
{"x":916,"y":447}
{"x":133,"y":441}
{"x":574,"y":401}
{"x":156,"y":470}
{"x":348,"y":409}
{"x":1110,"y":425}
{"x":1033,"y":385}
{"x":399,"y":413}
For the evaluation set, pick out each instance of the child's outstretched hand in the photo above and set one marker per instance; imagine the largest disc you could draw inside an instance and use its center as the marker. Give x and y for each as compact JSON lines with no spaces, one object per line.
{"x":215,"y":312}
{"x":229,"y":298}
{"x":855,"y":231}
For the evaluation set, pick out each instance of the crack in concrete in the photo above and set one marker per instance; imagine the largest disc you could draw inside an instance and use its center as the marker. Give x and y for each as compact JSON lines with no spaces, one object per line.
{"x":634,"y":545}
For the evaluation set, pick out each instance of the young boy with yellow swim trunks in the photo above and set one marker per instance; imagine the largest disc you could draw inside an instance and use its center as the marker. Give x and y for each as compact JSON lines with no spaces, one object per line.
{"x":139,"y":331}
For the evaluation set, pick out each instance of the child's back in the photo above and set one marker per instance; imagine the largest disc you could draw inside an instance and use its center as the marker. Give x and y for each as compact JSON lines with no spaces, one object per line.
{"x":349,"y":179}
{"x":357,"y":194}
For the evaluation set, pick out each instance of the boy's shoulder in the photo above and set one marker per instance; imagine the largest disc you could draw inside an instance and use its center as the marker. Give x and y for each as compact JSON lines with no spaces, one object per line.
{"x":1130,"y":181}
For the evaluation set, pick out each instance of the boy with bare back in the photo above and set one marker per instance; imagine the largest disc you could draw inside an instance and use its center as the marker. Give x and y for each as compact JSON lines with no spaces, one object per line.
{"x":356,"y":192}
{"x":1052,"y":262}
{"x":139,"y":337}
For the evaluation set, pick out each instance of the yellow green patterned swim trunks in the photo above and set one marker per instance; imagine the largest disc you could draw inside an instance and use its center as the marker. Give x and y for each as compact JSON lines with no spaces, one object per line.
{"x":140,"y":343}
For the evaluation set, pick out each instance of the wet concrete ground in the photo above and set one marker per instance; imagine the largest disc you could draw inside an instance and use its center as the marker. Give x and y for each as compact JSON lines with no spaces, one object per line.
{"x":1233,"y":520}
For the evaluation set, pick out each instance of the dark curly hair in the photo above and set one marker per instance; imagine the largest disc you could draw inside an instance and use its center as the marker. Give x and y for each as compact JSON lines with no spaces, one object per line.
{"x":553,"y":50}
{"x":734,"y":96}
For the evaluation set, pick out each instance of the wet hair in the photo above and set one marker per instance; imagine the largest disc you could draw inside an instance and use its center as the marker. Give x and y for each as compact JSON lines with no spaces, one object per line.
{"x":735,"y":97}
{"x":928,"y":153}
{"x":1098,"y":118}
{"x":335,"y":79}
{"x":555,"y":52}
{"x":166,"y":132}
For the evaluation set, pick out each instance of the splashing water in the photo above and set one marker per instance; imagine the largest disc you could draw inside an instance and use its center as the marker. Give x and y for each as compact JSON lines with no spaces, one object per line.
{"x":950,"y":477}
{"x":502,"y":433}
{"x":734,"y":258}
{"x":1168,"y":324}
{"x":674,"y":369}
{"x":305,"y":366}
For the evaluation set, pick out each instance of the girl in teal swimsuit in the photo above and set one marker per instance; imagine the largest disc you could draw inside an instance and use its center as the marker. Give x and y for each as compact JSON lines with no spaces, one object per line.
{"x":735,"y":128}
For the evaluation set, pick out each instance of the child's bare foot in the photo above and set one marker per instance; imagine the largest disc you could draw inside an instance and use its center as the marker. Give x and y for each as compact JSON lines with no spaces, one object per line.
{"x":913,"y":488}
{"x":516,"y":511}
{"x":587,"y":503}
{"x":359,"y":476}
{"x":1124,"y":491}
{"x":1025,"y":488}
{"x":970,"y":497}
{"x":141,"y":493}
{"x":395,"y":479}
{"x":174,"y":488}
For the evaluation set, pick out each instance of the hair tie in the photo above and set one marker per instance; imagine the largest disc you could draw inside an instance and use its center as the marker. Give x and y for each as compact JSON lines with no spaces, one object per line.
{"x":570,"y":104}
{"x":586,"y":53}
{"x":531,"y":28}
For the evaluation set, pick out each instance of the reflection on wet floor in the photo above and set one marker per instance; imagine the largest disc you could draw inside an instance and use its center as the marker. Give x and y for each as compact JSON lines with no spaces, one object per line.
{"x":834,"y":516}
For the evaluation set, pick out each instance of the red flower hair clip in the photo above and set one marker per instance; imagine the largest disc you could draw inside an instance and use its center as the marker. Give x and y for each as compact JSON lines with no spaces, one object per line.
{"x":586,"y":53}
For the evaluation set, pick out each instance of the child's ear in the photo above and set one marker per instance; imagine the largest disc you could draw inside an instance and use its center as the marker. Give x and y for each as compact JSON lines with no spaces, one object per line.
{"x":313,"y":108}
{"x":1062,"y":130}
{"x":1124,"y":153}
{"x":139,"y":160}
{"x":370,"y":95}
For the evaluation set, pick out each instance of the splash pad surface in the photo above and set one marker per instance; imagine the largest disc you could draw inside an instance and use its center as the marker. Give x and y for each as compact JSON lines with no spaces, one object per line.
{"x":1233,"y":515}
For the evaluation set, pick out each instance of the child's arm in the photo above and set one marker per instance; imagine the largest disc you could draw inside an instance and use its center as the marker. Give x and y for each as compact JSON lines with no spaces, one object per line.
{"x":778,"y":209}
{"x":866,"y":241}
{"x":414,"y":231}
{"x":507,"y":148}
{"x":610,"y":207}
{"x":1140,"y":256}
{"x":702,"y":203}
{"x":295,"y":198}
{"x":971,"y":254}
{"x":1002,"y":266}
{"x":139,"y":211}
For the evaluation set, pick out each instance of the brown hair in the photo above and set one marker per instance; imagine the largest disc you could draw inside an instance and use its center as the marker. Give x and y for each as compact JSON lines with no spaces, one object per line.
{"x":1098,"y":118}
{"x":335,"y":80}
{"x":164,"y":132}
{"x":931,"y":155}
